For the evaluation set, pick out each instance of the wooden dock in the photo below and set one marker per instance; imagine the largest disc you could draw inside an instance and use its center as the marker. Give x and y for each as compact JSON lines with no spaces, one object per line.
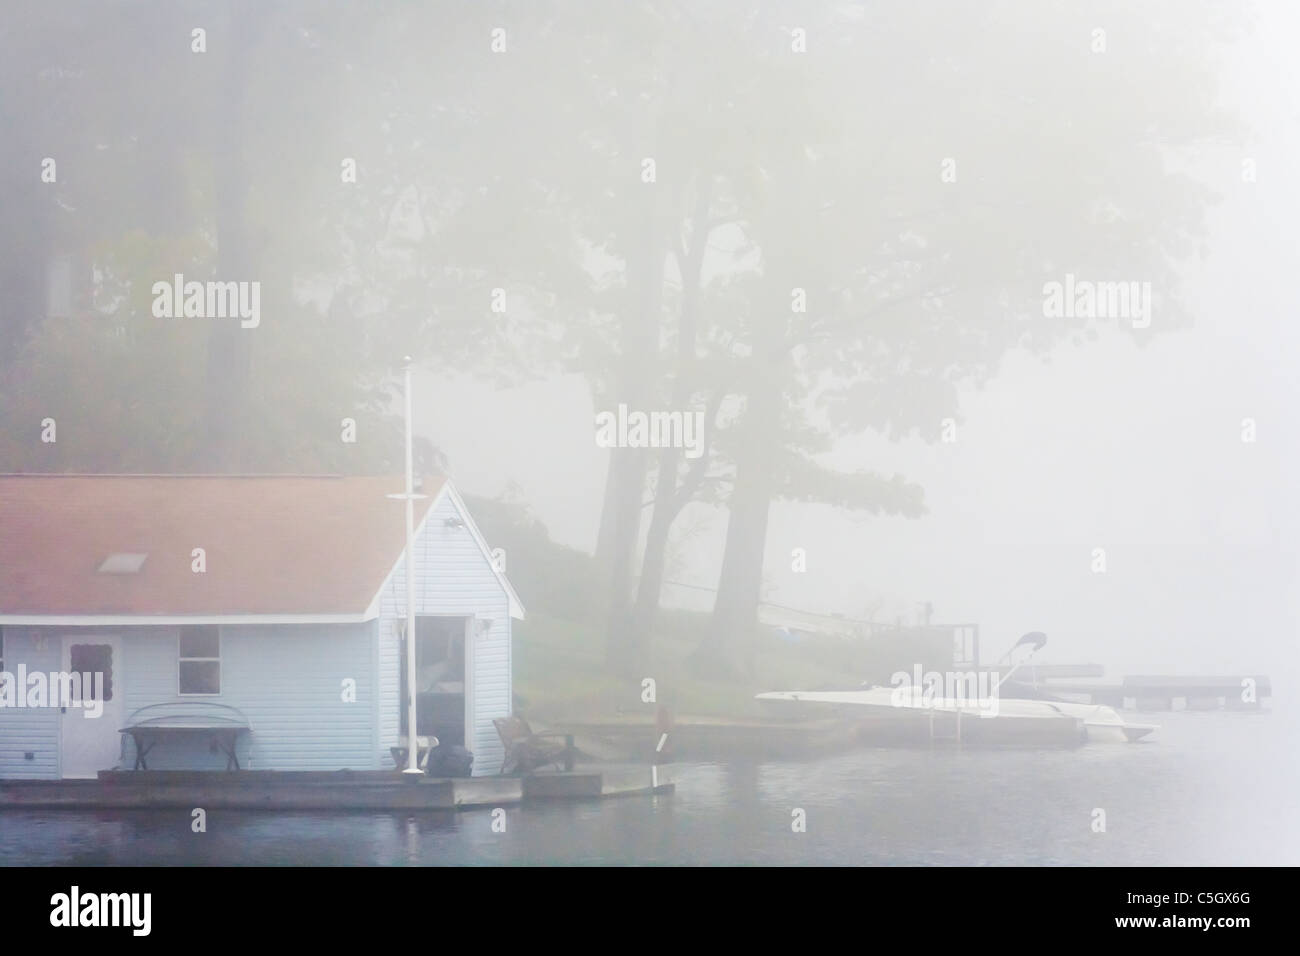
{"x":1152,"y":692}
{"x":343,"y":790}
{"x":712,"y":738}
{"x":942,"y":728}
{"x":793,"y":732}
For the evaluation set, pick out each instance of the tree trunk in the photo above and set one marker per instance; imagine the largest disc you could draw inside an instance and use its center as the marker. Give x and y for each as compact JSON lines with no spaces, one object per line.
{"x":608,"y":508}
{"x":652,"y":560}
{"x":621,"y":516}
{"x":226,"y":398}
{"x":730,"y":647}
{"x":729,"y":650}
{"x":669,"y":499}
{"x":628,"y":487}
{"x":27,"y":242}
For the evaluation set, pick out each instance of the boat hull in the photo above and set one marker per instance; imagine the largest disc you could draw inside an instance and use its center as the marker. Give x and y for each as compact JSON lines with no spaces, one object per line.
{"x":1103,"y":724}
{"x":1117,"y":734}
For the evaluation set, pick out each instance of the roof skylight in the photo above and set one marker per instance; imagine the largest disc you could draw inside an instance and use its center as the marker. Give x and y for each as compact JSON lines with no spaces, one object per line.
{"x":122,"y":562}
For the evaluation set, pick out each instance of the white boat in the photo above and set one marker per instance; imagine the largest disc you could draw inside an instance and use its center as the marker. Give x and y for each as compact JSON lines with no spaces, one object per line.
{"x":1103,"y":724}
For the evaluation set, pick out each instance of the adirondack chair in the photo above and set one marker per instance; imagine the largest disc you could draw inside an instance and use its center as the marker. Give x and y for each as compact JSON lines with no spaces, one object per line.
{"x":527,"y":751}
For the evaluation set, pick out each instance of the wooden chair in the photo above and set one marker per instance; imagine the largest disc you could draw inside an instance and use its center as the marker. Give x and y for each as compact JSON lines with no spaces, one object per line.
{"x":527,"y":751}
{"x":401,"y":752}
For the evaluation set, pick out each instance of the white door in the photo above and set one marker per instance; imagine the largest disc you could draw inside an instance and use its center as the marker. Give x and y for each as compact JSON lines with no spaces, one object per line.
{"x":91,"y":705}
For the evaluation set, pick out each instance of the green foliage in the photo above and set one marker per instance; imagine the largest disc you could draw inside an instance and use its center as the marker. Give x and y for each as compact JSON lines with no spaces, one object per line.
{"x":521,"y":171}
{"x":551,"y":579}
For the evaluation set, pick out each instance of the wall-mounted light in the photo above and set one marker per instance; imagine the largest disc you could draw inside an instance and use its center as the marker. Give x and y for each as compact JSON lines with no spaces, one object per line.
{"x":454,"y":522}
{"x":484,"y":626}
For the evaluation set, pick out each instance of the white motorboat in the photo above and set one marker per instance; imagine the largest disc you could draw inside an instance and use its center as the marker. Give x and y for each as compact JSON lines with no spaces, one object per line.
{"x":1103,"y":724}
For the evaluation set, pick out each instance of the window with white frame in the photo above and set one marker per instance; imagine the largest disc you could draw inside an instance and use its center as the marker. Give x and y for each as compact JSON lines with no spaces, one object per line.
{"x":200,"y":660}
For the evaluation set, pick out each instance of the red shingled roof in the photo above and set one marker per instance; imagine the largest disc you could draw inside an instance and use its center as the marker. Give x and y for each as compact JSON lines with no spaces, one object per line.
{"x":274,"y":544}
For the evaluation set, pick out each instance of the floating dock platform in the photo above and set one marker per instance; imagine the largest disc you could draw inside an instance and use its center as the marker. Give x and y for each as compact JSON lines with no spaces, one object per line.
{"x":792,"y":733}
{"x":712,"y":738}
{"x":341,"y":790}
{"x":1244,"y":692}
{"x":939,"y":728}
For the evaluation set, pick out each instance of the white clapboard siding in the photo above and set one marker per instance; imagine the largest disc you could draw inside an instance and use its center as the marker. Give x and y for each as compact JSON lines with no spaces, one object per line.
{"x":29,"y":730}
{"x":452,"y":577}
{"x":287,"y":679}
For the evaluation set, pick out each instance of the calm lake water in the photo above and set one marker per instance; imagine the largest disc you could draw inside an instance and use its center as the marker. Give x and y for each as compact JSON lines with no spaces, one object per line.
{"x":1209,"y":789}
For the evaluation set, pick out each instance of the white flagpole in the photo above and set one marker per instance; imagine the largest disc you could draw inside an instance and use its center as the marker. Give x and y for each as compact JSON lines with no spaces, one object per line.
{"x":412,"y":762}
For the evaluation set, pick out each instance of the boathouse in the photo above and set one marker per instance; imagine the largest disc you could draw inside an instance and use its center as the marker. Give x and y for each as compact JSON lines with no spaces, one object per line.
{"x":273,"y":606}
